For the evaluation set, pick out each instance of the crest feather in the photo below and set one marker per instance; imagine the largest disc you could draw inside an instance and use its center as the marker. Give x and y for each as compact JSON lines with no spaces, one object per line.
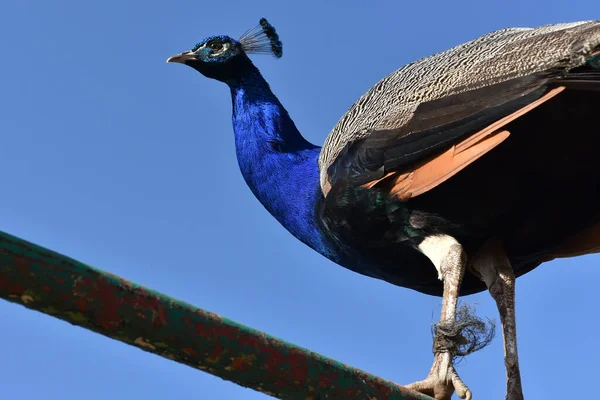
{"x":262,"y":39}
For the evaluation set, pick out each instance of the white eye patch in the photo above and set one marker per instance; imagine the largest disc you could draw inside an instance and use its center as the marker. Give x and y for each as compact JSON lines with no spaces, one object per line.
{"x":221,"y":50}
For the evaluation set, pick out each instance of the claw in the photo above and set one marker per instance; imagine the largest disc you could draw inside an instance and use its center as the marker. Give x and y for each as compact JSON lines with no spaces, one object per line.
{"x":461,"y":389}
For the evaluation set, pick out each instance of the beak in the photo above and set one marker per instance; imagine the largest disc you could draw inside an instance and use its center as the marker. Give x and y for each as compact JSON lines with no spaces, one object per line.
{"x":182,"y":58}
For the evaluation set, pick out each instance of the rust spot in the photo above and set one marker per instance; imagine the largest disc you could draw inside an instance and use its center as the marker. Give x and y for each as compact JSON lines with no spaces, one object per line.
{"x":190,"y":351}
{"x":127,"y":284}
{"x":245,"y":360}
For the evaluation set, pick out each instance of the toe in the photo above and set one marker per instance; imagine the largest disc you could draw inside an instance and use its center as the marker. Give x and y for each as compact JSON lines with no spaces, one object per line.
{"x":433,"y":388}
{"x":461,"y":389}
{"x":424,"y":387}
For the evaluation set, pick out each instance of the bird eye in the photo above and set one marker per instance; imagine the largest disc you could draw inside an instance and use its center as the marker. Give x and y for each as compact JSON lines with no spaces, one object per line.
{"x":214,"y":45}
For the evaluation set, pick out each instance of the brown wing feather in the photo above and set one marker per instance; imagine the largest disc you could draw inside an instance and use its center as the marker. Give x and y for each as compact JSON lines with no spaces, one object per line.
{"x":436,"y":170}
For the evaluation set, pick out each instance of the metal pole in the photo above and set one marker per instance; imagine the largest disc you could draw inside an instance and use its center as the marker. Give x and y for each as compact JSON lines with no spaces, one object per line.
{"x":51,"y":283}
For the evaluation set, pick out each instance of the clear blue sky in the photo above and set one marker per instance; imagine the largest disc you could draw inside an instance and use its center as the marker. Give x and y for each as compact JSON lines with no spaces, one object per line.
{"x":119,"y":160}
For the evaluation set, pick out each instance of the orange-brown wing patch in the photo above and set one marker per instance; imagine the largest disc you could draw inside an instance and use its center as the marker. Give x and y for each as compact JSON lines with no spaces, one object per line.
{"x":436,"y":170}
{"x":443,"y":167}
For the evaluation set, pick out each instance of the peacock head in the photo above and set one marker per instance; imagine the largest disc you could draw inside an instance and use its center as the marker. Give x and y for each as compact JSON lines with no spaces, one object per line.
{"x":224,"y":58}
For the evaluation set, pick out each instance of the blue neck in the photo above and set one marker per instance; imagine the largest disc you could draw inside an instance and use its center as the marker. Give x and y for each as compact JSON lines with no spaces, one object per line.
{"x":277,"y":163}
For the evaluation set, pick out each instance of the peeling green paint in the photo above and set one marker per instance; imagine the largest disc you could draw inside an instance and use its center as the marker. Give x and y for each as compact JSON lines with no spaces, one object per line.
{"x":46,"y":281}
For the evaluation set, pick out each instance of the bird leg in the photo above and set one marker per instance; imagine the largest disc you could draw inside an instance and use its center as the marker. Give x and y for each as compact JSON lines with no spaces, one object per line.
{"x":450,"y":260}
{"x":492,"y":265}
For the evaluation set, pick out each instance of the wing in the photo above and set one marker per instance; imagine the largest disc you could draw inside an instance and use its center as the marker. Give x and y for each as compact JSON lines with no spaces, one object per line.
{"x":429,"y":119}
{"x":425,"y":173}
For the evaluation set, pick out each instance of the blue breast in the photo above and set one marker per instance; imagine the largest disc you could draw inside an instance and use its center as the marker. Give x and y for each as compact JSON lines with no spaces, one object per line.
{"x":280,"y":168}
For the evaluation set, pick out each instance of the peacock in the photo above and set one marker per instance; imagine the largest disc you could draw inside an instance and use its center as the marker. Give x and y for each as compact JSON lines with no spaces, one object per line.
{"x":455,"y":174}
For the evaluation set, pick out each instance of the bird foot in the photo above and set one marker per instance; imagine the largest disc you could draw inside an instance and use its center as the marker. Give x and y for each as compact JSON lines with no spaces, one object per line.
{"x":442,"y":380}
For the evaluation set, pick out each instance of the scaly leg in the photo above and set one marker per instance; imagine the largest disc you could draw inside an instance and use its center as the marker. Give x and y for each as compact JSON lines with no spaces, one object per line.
{"x":450,"y":260}
{"x":492,"y":265}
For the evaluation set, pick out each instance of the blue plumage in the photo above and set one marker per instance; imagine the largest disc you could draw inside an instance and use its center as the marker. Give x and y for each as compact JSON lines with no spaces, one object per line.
{"x":280,"y":167}
{"x":277,"y":163}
